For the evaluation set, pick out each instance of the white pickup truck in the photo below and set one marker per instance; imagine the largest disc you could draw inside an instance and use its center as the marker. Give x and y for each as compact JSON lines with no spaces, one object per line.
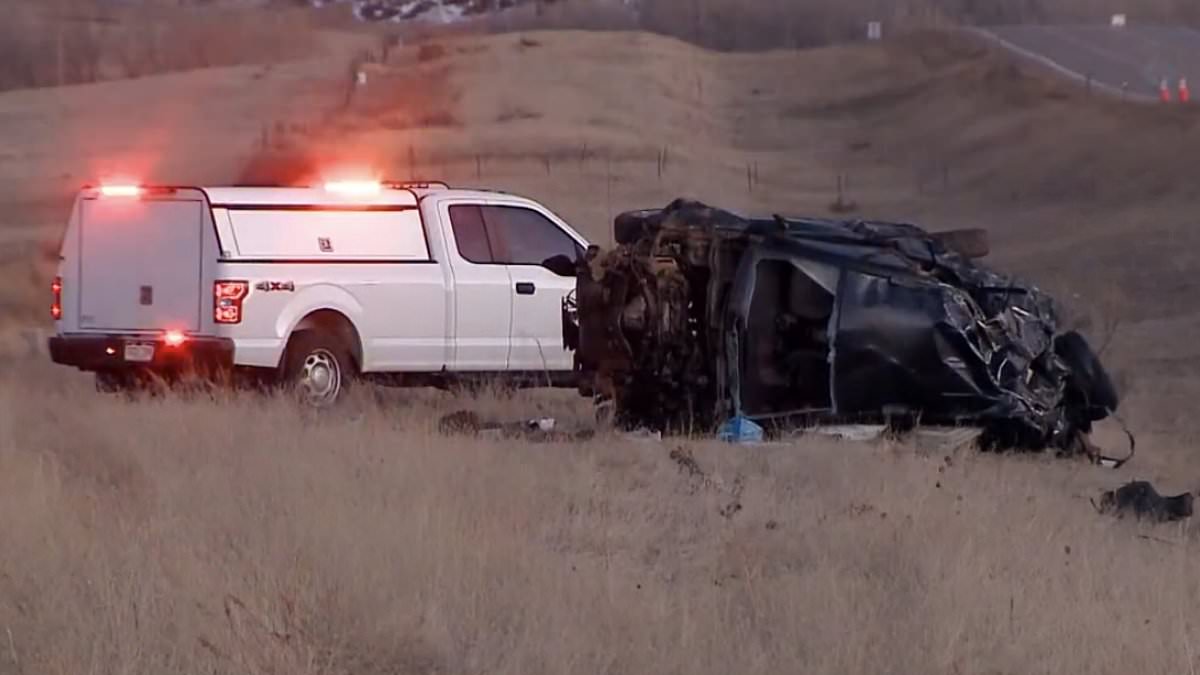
{"x":315,"y":286}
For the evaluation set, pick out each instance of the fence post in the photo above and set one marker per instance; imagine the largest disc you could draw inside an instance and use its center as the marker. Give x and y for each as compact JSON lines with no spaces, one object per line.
{"x":608,"y":188}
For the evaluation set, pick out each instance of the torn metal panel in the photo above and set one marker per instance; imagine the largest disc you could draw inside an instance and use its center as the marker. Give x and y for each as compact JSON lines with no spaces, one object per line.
{"x":700,"y":315}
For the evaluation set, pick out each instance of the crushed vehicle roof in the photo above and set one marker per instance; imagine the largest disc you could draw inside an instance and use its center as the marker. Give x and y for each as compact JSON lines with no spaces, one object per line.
{"x":699,"y":315}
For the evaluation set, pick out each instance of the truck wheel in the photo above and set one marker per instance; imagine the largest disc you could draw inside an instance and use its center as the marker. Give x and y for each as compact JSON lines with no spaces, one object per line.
{"x":318,"y":367}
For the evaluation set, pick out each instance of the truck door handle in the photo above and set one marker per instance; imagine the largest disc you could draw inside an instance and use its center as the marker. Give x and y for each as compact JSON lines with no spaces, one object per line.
{"x":526,"y":288}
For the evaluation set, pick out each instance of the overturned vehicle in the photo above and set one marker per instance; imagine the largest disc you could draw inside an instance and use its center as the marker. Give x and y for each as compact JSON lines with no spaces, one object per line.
{"x":699,"y":316}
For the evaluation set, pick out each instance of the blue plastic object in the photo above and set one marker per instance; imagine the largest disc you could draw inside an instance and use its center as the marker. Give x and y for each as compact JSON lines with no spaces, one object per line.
{"x":741,"y":429}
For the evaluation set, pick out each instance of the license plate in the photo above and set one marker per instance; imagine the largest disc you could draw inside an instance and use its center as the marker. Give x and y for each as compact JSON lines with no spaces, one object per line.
{"x":139,"y":353}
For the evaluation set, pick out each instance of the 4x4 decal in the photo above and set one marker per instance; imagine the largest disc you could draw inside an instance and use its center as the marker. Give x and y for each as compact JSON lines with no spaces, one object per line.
{"x":269,"y":286}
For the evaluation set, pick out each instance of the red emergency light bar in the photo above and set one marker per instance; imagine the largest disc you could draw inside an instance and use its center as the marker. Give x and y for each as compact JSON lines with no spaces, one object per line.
{"x":371,"y":187}
{"x":121,"y":190}
{"x":354,"y":187}
{"x":128,"y":190}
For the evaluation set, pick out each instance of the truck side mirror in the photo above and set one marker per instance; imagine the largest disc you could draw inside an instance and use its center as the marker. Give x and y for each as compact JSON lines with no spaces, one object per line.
{"x":560,"y":264}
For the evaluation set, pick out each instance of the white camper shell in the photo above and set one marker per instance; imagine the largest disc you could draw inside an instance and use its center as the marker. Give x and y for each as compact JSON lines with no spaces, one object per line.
{"x":315,"y":285}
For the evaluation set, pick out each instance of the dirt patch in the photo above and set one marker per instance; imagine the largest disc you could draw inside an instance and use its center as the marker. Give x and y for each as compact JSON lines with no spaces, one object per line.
{"x":427,"y":53}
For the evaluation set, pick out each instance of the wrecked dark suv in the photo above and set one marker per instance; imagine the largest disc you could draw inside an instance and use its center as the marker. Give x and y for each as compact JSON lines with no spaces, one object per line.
{"x":699,"y":315}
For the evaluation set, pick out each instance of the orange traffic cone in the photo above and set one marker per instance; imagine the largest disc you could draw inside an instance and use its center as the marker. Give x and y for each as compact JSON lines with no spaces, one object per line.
{"x":1164,"y":91}
{"x":1184,"y":94}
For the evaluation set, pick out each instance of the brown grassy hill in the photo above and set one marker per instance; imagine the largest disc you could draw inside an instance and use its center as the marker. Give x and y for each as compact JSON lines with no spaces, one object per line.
{"x":236,"y":534}
{"x":928,"y":127}
{"x":1087,"y":196}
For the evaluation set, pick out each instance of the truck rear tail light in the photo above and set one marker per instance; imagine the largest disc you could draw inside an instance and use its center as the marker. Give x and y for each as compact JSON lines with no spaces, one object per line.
{"x":174,"y":338}
{"x":56,"y":304}
{"x":227,"y":300}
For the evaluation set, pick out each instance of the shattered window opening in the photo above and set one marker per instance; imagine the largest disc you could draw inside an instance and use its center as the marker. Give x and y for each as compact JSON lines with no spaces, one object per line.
{"x":786,"y":356}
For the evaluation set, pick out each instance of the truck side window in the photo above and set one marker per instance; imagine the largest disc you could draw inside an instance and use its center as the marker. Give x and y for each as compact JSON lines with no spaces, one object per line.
{"x":470,"y":234}
{"x":526,"y":237}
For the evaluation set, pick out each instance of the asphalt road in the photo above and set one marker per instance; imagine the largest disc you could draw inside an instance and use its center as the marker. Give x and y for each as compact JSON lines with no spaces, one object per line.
{"x":1134,"y":58}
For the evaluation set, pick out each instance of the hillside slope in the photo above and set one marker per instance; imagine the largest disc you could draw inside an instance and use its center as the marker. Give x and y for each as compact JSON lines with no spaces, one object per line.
{"x":932,"y":127}
{"x":929,"y":127}
{"x":236,"y":533}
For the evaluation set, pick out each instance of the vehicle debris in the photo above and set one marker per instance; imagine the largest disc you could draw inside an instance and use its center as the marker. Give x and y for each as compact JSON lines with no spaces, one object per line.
{"x":741,"y":429}
{"x":641,"y":434}
{"x":699,"y":479}
{"x":538,"y":429}
{"x":857,"y":433}
{"x":699,"y":316}
{"x":1144,"y":502}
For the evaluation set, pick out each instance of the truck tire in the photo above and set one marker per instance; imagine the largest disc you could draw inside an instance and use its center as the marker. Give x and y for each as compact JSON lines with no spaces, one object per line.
{"x":318,"y":368}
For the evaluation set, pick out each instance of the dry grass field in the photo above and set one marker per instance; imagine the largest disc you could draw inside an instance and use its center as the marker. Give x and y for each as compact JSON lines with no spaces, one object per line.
{"x":242,"y":536}
{"x":235,"y":533}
